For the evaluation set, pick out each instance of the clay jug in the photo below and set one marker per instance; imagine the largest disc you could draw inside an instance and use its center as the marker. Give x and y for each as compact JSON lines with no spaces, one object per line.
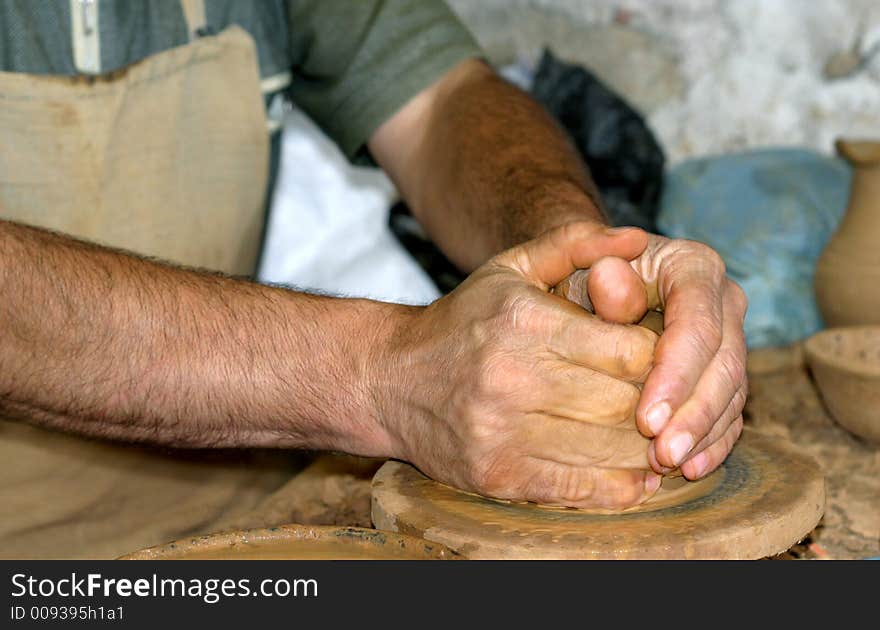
{"x":848,"y":272}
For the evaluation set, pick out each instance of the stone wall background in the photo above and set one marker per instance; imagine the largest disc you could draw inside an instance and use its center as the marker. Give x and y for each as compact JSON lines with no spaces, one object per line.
{"x":711,"y":76}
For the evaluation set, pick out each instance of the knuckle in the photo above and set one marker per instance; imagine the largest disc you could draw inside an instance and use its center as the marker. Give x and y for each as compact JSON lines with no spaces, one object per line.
{"x":563,"y":486}
{"x":640,"y":354}
{"x":619,"y":494}
{"x":493,"y":476}
{"x":621,"y":404}
{"x":706,"y":338}
{"x":627,"y":403}
{"x":733,"y":370}
{"x":740,"y":300}
{"x":740,"y":398}
{"x":577,"y":487}
{"x":704,"y":418}
{"x":578,"y":230}
{"x":737,"y":431}
{"x":516,"y":311}
{"x":710,"y":257}
{"x":572,"y":487}
{"x":631,"y":493}
{"x":497,"y":373}
{"x":633,"y":348}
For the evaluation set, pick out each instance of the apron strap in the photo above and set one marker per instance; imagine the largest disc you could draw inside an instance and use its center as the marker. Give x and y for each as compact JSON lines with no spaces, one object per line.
{"x":194,"y":13}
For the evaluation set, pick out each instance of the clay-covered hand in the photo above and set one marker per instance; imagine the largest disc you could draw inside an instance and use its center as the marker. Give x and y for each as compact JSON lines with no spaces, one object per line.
{"x":693,"y":398}
{"x":506,"y":390}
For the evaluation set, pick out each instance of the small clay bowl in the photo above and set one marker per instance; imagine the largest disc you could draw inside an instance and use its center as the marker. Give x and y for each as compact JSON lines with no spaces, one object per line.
{"x":846,"y":366}
{"x":298,"y":542}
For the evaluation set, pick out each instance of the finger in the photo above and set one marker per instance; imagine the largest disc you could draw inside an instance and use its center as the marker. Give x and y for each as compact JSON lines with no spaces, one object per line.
{"x":574,"y":289}
{"x":550,"y":483}
{"x":724,"y":376}
{"x":616,"y":291}
{"x":618,"y":350}
{"x":733,"y":411}
{"x":691,"y":285}
{"x":583,"y":444}
{"x":655,"y":465}
{"x":711,"y":458}
{"x":549,"y":259}
{"x":579,"y":393}
{"x":730,"y":415}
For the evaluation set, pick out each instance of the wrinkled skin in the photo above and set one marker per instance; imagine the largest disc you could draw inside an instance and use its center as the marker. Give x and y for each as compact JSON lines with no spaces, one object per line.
{"x":508,"y":390}
{"x":693,"y":399}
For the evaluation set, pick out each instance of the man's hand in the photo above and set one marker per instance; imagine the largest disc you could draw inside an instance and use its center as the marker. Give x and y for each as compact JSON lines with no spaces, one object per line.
{"x":504,"y":389}
{"x":693,"y":399}
{"x":484,"y":167}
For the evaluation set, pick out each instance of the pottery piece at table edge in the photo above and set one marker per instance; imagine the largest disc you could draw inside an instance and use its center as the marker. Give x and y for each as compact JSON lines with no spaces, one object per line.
{"x":845,"y":363}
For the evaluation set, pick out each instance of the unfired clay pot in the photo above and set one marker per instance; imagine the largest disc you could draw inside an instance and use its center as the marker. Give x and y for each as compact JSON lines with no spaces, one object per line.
{"x":298,"y":542}
{"x":848,"y":271}
{"x":846,"y":366}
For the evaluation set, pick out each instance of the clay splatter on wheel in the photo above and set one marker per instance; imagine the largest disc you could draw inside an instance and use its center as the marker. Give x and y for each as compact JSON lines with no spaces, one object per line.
{"x":760,"y":502}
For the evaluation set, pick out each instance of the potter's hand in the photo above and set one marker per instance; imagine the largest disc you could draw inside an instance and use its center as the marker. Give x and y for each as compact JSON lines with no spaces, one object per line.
{"x":693,"y":398}
{"x":506,"y":390}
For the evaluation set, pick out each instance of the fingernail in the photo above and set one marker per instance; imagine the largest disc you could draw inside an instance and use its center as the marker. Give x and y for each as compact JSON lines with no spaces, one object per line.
{"x":652,"y":483}
{"x":700,"y":462}
{"x":657,"y":416}
{"x":659,"y":468}
{"x":617,"y":230}
{"x":679,"y":446}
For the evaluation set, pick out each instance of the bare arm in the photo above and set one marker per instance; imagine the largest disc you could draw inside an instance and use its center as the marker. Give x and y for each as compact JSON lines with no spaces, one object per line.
{"x":483,"y":166}
{"x":110,"y":345}
{"x":105,"y":344}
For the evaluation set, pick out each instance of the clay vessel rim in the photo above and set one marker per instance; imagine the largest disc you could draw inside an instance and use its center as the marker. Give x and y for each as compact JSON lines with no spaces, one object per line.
{"x":817,"y":354}
{"x":348,"y":538}
{"x":858,"y":151}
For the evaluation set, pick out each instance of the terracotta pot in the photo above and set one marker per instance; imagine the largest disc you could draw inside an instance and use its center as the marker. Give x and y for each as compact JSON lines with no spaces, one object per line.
{"x":846,"y":367}
{"x":848,"y":272}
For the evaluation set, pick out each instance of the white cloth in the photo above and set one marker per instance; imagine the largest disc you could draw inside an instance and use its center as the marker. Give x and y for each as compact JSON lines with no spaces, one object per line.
{"x":328,"y":225}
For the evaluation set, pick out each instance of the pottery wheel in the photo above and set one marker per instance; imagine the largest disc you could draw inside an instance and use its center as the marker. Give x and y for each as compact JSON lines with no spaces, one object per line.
{"x":760,"y":502}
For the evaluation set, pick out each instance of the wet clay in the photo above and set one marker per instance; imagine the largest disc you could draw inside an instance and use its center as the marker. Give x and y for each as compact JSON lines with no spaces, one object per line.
{"x":847,"y":278}
{"x":762,"y":500}
{"x":298,"y":542}
{"x":846,"y":367}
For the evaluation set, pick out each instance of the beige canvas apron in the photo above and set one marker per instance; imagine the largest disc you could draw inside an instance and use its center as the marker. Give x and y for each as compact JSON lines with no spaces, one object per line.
{"x":166,"y":158}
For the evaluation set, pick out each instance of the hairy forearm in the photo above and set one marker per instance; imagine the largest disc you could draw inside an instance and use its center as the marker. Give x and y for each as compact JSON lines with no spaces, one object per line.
{"x":488,"y":167}
{"x":109,"y":345}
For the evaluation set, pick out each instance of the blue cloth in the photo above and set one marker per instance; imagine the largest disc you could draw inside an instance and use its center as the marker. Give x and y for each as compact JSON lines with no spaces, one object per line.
{"x":769,"y":213}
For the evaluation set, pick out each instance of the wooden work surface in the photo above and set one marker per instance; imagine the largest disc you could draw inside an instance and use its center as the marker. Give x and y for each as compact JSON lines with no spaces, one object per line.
{"x":335,"y":490}
{"x":783,"y":401}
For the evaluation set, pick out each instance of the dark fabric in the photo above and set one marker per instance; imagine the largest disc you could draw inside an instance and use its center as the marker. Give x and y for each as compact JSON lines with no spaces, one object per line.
{"x":624,"y":157}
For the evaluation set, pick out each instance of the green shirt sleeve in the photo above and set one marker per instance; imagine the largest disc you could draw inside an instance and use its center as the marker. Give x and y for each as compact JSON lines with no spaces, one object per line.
{"x":356,"y":62}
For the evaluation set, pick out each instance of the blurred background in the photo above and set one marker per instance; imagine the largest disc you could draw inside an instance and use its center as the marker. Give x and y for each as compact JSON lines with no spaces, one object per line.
{"x":707,"y":119}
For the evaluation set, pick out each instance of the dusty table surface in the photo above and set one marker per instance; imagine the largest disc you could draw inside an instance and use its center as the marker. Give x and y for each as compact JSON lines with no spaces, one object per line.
{"x":783,"y":401}
{"x":335,"y":490}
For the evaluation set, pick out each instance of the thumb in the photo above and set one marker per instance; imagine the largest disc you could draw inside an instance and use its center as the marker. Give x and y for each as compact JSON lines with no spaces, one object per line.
{"x":549,"y":259}
{"x":616,"y":291}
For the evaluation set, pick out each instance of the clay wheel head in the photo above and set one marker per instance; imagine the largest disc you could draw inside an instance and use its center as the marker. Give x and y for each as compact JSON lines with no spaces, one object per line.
{"x":763,"y":499}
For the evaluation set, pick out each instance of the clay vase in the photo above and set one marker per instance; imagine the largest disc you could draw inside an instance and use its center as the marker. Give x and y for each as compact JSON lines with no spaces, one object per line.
{"x":847,"y":278}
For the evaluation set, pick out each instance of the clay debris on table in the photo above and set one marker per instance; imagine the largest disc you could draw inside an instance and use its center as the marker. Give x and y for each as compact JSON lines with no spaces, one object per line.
{"x":783,"y":401}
